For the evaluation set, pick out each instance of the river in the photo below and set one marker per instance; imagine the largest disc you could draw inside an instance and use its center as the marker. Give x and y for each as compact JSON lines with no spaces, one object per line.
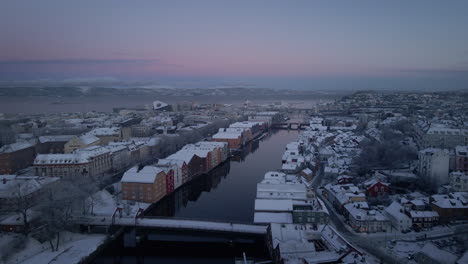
{"x":227,"y":193}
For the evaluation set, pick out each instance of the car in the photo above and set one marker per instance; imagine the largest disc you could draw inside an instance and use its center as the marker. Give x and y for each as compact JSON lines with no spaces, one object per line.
{"x":404,"y":231}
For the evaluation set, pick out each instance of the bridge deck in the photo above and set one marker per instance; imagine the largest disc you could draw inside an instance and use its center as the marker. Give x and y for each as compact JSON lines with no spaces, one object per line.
{"x":174,"y":224}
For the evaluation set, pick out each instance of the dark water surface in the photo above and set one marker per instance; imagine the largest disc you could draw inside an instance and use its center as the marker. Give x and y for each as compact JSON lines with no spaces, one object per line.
{"x":228,"y":192}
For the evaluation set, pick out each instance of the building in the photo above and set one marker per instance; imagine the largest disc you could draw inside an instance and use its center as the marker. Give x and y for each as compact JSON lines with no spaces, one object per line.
{"x":339,"y":195}
{"x":434,"y":166}
{"x":180,"y":170}
{"x":201,"y":157}
{"x":461,"y":158}
{"x":344,"y":179}
{"x":441,"y":136}
{"x":161,"y":106}
{"x":120,"y":157}
{"x":316,"y":123}
{"x":307,"y":173}
{"x":52,"y":144}
{"x":16,"y":156}
{"x":80,"y":142}
{"x":366,"y":221}
{"x":90,"y":162}
{"x":307,"y":243}
{"x":424,"y":219}
{"x":458,"y":181}
{"x":376,"y":188}
{"x":450,"y":207}
{"x":254,"y":128}
{"x":18,"y":191}
{"x":290,"y":211}
{"x":396,"y":214}
{"x":147,"y":184}
{"x":109,"y":134}
{"x":236,"y":138}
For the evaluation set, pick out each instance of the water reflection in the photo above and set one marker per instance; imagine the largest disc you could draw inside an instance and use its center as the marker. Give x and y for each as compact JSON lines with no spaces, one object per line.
{"x":171,"y":204}
{"x":228,"y":192}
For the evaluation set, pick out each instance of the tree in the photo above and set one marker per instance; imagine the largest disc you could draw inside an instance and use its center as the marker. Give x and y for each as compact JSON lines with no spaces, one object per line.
{"x":23,"y":201}
{"x":384,"y":154}
{"x":57,"y":208}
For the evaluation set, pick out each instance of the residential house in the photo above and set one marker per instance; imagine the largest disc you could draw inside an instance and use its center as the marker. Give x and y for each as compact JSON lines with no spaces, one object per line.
{"x":396,"y":214}
{"x":366,"y":221}
{"x":376,"y":188}
{"x":424,"y":219}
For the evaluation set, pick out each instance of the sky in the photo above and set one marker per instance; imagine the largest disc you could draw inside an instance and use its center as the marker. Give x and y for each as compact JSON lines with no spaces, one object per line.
{"x":280,"y":44}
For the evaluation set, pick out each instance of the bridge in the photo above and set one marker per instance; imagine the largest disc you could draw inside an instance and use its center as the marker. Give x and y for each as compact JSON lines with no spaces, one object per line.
{"x":172,"y":223}
{"x":290,"y":125}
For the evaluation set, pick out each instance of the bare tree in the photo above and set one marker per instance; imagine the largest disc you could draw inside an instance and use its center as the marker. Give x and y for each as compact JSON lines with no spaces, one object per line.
{"x":23,"y":201}
{"x":58,"y":207}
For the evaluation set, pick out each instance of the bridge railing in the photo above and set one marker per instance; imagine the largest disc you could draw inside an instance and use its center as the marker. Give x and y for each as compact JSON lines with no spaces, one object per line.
{"x":198,"y":219}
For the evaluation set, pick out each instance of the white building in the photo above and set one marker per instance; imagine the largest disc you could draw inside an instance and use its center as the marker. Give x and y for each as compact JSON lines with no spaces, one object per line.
{"x":434,"y":166}
{"x":396,"y":213}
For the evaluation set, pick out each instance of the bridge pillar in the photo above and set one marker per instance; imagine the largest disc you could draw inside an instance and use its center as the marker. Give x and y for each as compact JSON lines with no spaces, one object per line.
{"x":130,"y":238}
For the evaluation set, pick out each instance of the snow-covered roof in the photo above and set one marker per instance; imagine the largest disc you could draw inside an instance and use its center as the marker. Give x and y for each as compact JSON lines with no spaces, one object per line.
{"x":360,"y":214}
{"x":178,"y":163}
{"x":396,"y":210}
{"x":73,"y":158}
{"x":16,"y":147}
{"x":452,"y":200}
{"x":227,"y":135}
{"x":372,"y":182}
{"x":57,"y":138}
{"x":424,"y":214}
{"x":105,"y":131}
{"x":273,"y":205}
{"x":281,"y":191}
{"x":17,"y":185}
{"x":246,"y":124}
{"x":461,"y":151}
{"x":88,"y":139}
{"x":263,"y":217}
{"x":147,"y":174}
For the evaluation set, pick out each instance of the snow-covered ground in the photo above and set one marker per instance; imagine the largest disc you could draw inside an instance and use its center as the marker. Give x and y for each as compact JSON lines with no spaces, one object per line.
{"x":105,"y":204}
{"x":73,"y":248}
{"x":404,"y":249}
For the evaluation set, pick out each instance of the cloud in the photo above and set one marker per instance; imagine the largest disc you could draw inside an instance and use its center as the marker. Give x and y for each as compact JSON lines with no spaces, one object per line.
{"x":77,"y":61}
{"x":449,"y":70}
